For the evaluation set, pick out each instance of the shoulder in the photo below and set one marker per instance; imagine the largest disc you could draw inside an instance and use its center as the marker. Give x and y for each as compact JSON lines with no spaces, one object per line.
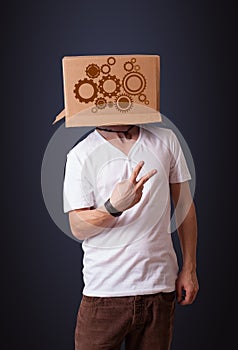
{"x":164,"y":135}
{"x":84,"y":146}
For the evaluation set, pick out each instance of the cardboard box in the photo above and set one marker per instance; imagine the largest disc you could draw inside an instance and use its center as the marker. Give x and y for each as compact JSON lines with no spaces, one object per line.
{"x":111,"y":90}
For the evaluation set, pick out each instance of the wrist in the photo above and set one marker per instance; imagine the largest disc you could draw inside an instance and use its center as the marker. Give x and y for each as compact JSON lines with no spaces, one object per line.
{"x":189,"y":268}
{"x":111,"y":209}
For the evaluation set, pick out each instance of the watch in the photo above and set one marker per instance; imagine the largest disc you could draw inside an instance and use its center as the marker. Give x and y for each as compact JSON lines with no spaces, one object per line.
{"x":111,"y":210}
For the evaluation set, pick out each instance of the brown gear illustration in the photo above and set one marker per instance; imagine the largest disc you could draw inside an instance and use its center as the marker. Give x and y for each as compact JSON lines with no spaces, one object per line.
{"x":101,"y":103}
{"x":111,"y":60}
{"x":105,"y":69}
{"x":134,"y":83}
{"x":142,"y":97}
{"x":123,"y":103}
{"x":113,"y":80}
{"x":94,"y":109}
{"x":89,"y":82}
{"x":110,"y":104}
{"x":92,"y":70}
{"x":128,"y":66}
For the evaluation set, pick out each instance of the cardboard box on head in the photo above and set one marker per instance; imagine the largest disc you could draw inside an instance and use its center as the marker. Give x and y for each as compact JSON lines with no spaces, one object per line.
{"x":111,"y":90}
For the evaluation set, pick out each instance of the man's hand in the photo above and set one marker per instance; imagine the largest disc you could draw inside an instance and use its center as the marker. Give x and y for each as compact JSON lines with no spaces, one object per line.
{"x":129,"y":192}
{"x":186,"y":287}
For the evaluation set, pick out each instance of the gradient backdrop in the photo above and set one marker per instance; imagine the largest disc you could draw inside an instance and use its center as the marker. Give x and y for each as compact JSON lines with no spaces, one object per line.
{"x":41,"y":278}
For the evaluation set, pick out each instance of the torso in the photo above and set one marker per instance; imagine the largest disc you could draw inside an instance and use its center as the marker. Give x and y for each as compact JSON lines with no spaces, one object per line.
{"x":136,"y":256}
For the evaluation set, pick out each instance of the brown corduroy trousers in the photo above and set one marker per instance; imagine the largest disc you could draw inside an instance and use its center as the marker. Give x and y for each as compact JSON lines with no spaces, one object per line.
{"x":144,"y":322}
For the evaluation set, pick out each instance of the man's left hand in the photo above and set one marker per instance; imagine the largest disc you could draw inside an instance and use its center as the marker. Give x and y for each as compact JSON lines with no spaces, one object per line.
{"x":186,"y":287}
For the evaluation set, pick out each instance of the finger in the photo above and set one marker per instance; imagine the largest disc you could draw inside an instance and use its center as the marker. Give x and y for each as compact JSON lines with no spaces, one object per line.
{"x":145,"y":178}
{"x":188,"y":298}
{"x":180,"y":294}
{"x":136,"y":171}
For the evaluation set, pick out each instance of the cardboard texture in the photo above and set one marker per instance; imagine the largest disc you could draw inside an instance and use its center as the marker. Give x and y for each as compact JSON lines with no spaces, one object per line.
{"x":111,"y":90}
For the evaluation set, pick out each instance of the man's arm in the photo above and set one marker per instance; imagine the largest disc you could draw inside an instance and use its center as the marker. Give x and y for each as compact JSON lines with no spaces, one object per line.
{"x":87,"y":222}
{"x":185,"y":213}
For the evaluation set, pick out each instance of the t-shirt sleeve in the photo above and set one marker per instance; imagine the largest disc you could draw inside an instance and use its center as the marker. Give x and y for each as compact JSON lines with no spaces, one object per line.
{"x":179,"y":171}
{"x":77,"y":190}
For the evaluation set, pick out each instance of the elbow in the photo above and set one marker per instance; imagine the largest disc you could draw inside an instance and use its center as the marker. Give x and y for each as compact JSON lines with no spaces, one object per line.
{"x":77,"y":233}
{"x":76,"y":228}
{"x":80,"y":226}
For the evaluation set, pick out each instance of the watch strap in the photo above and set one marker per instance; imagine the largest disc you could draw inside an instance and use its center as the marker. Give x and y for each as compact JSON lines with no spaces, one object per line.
{"x":111,"y":210}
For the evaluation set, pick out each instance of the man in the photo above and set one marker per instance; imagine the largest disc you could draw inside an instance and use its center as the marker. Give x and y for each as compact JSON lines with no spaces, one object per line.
{"x":117,"y":190}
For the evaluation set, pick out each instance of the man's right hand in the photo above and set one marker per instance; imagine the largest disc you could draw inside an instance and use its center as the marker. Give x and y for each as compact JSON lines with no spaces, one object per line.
{"x":129,"y":192}
{"x":88,"y":222}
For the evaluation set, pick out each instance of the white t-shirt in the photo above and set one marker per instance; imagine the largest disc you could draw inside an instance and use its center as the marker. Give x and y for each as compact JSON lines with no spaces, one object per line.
{"x":136,"y":255}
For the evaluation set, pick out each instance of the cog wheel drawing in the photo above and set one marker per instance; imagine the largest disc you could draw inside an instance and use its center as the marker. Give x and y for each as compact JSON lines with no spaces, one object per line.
{"x":105,"y":69}
{"x":85,"y":90}
{"x":92,"y":70}
{"x":134,"y":83}
{"x":111,"y":60}
{"x":94,"y":109}
{"x":142,"y":97}
{"x":110,"y":104}
{"x":123,"y":103}
{"x":128,"y":66}
{"x":109,"y":85}
{"x":101,"y":103}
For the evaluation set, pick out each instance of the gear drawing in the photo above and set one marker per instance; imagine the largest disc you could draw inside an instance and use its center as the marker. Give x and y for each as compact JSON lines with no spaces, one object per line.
{"x":92,"y":70}
{"x":110,"y":104}
{"x":111,"y":60}
{"x":94,"y":109}
{"x":123,"y":103}
{"x":89,"y":84}
{"x":101,"y":103}
{"x":128,"y":66}
{"x":134,"y":83}
{"x":109,"y":85}
{"x":105,"y":69}
{"x":142,"y":97}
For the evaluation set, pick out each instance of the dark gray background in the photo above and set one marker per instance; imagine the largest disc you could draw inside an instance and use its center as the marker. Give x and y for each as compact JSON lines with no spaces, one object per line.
{"x":41,"y":278}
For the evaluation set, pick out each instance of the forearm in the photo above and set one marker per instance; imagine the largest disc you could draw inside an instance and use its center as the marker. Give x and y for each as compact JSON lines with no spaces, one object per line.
{"x":88,"y":223}
{"x":185,"y":214}
{"x":187,"y":232}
